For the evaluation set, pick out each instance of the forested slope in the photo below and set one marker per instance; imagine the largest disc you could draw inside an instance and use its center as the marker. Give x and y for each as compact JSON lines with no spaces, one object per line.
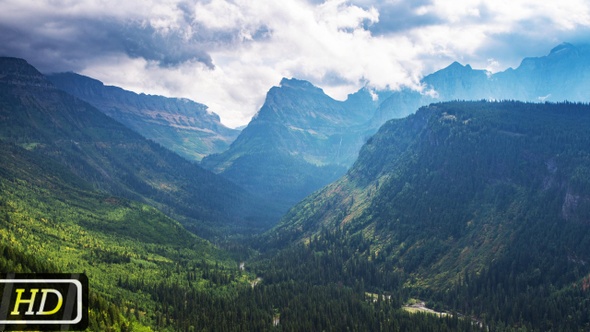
{"x":483,"y":206}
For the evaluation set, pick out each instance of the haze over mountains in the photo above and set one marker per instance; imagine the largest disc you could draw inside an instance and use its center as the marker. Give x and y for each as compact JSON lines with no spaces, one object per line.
{"x":561,"y":75}
{"x":301,"y":139}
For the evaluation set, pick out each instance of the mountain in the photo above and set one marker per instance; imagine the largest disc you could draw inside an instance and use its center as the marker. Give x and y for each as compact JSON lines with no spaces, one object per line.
{"x":455,"y":82}
{"x":38,"y":116}
{"x":181,"y":125}
{"x":482,"y":206}
{"x":300,"y":140}
{"x":561,"y":75}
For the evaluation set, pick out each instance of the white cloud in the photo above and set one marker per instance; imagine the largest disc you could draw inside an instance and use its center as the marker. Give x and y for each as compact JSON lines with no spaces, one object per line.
{"x":492,"y":66}
{"x":228,"y":53}
{"x":219,"y":14}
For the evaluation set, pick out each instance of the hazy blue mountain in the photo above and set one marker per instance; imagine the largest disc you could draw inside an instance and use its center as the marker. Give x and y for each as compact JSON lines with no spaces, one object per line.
{"x":455,"y":82}
{"x":398,"y":105}
{"x":181,"y":125}
{"x":458,"y":82}
{"x":40,"y":117}
{"x":300,"y":140}
{"x":480,"y":205}
{"x":561,"y":75}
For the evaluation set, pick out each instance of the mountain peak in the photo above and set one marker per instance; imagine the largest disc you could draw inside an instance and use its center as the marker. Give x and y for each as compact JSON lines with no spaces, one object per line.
{"x":19,"y":72}
{"x":452,"y":70}
{"x":457,"y":66}
{"x":562,"y":47}
{"x":77,"y":79}
{"x":297,"y":84}
{"x":8,"y":63}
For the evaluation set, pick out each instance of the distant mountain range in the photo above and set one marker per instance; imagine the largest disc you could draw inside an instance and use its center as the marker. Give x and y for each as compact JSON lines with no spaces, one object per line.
{"x":181,"y":125}
{"x":301,"y":139}
{"x":561,"y":75}
{"x":47,"y":121}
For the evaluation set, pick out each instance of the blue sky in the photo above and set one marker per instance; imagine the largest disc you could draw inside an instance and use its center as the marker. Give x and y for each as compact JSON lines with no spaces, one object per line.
{"x":228,"y":53}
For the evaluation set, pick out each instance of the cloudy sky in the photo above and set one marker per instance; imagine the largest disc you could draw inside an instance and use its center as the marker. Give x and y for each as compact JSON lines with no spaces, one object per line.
{"x":228,"y":53}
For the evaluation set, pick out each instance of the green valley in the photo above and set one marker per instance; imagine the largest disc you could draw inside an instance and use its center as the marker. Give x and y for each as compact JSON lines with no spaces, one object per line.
{"x":82,"y":194}
{"x":52,"y":221}
{"x":147,"y":273}
{"x":478,"y":210}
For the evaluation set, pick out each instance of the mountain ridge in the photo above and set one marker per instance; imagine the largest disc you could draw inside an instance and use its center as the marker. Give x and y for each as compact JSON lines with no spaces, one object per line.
{"x":179,"y":124}
{"x":552,"y":77}
{"x":421,"y":162}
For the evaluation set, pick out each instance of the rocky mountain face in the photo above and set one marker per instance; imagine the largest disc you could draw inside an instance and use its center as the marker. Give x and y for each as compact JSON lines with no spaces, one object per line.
{"x":300,"y":140}
{"x":39,"y":117}
{"x":561,"y":75}
{"x":181,"y":125}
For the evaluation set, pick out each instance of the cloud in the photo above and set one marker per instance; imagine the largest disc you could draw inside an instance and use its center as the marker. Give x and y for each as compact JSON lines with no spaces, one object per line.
{"x":505,"y":30}
{"x":398,"y":16}
{"x":228,"y":53}
{"x":74,"y":34}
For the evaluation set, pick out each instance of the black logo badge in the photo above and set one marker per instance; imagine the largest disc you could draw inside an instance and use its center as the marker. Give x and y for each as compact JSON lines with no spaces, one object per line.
{"x":43,"y":302}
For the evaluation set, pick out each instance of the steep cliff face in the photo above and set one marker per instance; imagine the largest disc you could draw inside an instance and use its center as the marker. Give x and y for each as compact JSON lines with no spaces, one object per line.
{"x":300,"y":140}
{"x":181,"y":125}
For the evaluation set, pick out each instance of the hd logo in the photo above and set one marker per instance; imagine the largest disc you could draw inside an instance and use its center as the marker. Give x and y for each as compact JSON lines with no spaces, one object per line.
{"x":43,"y":302}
